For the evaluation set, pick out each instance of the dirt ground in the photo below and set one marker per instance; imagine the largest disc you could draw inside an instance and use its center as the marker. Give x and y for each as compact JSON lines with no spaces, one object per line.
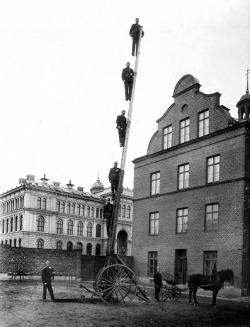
{"x":21,"y":305}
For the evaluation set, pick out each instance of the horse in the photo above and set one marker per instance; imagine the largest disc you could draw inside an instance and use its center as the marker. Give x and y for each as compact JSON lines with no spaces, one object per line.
{"x":209,"y":283}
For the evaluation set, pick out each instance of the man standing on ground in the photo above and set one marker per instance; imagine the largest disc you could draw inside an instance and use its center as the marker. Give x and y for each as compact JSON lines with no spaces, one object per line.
{"x":158,"y":283}
{"x":121,"y":125}
{"x":47,"y":275}
{"x":135,"y":34}
{"x":127,"y":77}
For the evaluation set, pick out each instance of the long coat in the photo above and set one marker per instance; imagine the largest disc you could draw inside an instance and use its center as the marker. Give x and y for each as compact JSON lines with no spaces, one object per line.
{"x":127,"y":75}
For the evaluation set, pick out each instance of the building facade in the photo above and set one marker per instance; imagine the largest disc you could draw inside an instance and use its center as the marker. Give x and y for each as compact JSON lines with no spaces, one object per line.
{"x":192,"y":189}
{"x":37,"y":214}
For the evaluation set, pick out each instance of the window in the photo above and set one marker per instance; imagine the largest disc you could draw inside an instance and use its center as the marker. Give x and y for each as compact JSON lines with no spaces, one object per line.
{"x":73,"y":209}
{"x":123,"y":211}
{"x":183,"y":176}
{"x":155,"y":183}
{"x":69,"y":246}
{"x":7,"y":226}
{"x":213,"y":169}
{"x":14,"y":242}
{"x":40,"y":224}
{"x":11,"y":224}
{"x":92,"y":212}
{"x":154,"y":223}
{"x":167,"y":137}
{"x":58,"y":206}
{"x":83,"y":210}
{"x":152,"y":262}
{"x":80,"y":229}
{"x":98,"y":230}
{"x":68,"y":208}
{"x":63,"y":207}
{"x":98,"y":249}
{"x":3,"y":226}
{"x":59,"y":227}
{"x":39,"y":203}
{"x":89,"y":229}
{"x":88,"y":211}
{"x":89,"y":249}
{"x":203,"y":123}
{"x":182,"y":220}
{"x":70,"y":227}
{"x":20,"y":242}
{"x":21,"y":202}
{"x":16,"y":223}
{"x":184,"y":130}
{"x":128,"y":212}
{"x":212,"y":214}
{"x":21,"y":222}
{"x":78,"y":209}
{"x":97,"y":212}
{"x":59,"y":245}
{"x":210,"y":258}
{"x":44,"y":204}
{"x":40,"y":244}
{"x":101,"y":213}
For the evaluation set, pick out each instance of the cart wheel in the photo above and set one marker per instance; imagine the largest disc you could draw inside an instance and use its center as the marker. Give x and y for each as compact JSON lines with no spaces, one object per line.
{"x":116,"y":284}
{"x":82,"y":299}
{"x":163,"y":296}
{"x":175,"y":294}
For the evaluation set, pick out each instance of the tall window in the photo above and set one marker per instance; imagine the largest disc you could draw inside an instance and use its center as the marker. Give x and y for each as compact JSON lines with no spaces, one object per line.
{"x":213,"y":169}
{"x":40,"y":244}
{"x":16,"y":223}
{"x":167,"y":137}
{"x":78,"y":209}
{"x":154,"y":223}
{"x":155,"y":183}
{"x":11,"y":224}
{"x":89,"y":249}
{"x":7,"y":226}
{"x":14,"y":242}
{"x":184,"y":130}
{"x":80,"y":229}
{"x":210,"y":258}
{"x":21,"y":222}
{"x":123,"y":211}
{"x":128,"y":212}
{"x":212,"y":215}
{"x":40,"y":224}
{"x":3,"y":226}
{"x":203,"y":123}
{"x":39,"y":203}
{"x":44,"y":204}
{"x":70,"y":227}
{"x":83,"y":211}
{"x":58,"y":206}
{"x":59,"y":245}
{"x":92,"y":212}
{"x":63,"y":207}
{"x":59,"y":227}
{"x":88,"y":211}
{"x":152,"y":262}
{"x":98,"y":230}
{"x":97,"y":212}
{"x":68,"y":208}
{"x":98,"y":249}
{"x":89,"y":229}
{"x":20,"y":242}
{"x":183,"y":176}
{"x":69,"y":246}
{"x":101,"y":213}
{"x":73,"y":209}
{"x":182,"y":220}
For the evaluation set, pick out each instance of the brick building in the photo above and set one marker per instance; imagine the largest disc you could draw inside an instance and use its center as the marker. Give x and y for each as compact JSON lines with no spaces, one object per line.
{"x":192,"y":189}
{"x":38,"y":214}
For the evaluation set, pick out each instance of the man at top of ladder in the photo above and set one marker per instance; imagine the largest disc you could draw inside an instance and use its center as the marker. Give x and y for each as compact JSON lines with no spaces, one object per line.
{"x":134,"y":32}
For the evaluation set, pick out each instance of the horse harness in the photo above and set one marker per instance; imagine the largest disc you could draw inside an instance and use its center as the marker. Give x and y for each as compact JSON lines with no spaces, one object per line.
{"x":217,"y":281}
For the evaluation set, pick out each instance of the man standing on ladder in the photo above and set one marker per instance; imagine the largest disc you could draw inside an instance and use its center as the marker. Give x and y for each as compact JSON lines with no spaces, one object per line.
{"x":135,"y":34}
{"x":127,"y":77}
{"x":121,"y":125}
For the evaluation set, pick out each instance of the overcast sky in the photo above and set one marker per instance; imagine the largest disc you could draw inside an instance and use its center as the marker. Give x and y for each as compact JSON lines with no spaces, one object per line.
{"x":61,"y":87}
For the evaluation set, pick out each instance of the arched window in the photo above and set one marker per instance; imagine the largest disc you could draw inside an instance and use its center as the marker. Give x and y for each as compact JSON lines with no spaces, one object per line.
{"x":70,"y":227}
{"x":7,"y":226}
{"x":92,"y":212}
{"x":20,"y":242}
{"x":21,"y":222}
{"x":88,"y":211}
{"x":59,"y":245}
{"x":78,"y":209}
{"x":11,"y":224}
{"x":98,"y":249}
{"x":80,"y":229}
{"x":14,"y":242}
{"x":44,"y":204}
{"x":97,"y":212}
{"x":16,"y":223}
{"x":39,"y":203}
{"x":63,"y":207}
{"x":58,"y":206}
{"x":69,"y":246}
{"x":89,"y":229}
{"x":100,"y":213}
{"x":123,"y":211}
{"x":98,"y":230}
{"x":83,"y":211}
{"x":68,"y":208}
{"x":6,"y":242}
{"x":3,"y":226}
{"x":59,"y":227}
{"x":40,"y":224}
{"x":128,"y":212}
{"x":89,"y":249}
{"x":73,"y":208}
{"x":40,"y":243}
{"x":10,"y":242}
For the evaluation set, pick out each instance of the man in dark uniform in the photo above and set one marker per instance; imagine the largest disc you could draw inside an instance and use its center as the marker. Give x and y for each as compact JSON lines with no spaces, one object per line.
{"x":121,"y":125}
{"x":158,"y":283}
{"x":108,"y":215}
{"x":135,"y":34}
{"x":47,"y":275}
{"x":114,"y":175}
{"x":127,"y":77}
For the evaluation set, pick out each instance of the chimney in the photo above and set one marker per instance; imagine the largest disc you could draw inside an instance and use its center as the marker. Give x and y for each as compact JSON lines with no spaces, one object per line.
{"x":44,"y":179}
{"x":69,"y":185}
{"x":80,"y":188}
{"x":22,"y":180}
{"x":30,"y":178}
{"x":56,"y":184}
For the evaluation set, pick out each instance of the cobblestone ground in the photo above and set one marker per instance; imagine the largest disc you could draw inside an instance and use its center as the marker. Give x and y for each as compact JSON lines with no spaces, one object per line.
{"x":21,"y":305}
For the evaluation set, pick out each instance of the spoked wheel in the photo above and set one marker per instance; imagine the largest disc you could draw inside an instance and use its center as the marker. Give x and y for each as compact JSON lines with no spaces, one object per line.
{"x":175,"y":294}
{"x":116,"y":284}
{"x":163,"y":296}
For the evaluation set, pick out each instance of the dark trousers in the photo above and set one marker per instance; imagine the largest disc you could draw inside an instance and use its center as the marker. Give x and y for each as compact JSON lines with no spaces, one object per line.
{"x":128,"y":90}
{"x":135,"y":45}
{"x":114,"y":187}
{"x":157,"y":291}
{"x":49,"y":287}
{"x":109,"y":226}
{"x":122,"y":135}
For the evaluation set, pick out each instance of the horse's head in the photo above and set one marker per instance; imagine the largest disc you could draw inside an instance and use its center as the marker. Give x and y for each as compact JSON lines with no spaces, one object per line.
{"x":226,"y":275}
